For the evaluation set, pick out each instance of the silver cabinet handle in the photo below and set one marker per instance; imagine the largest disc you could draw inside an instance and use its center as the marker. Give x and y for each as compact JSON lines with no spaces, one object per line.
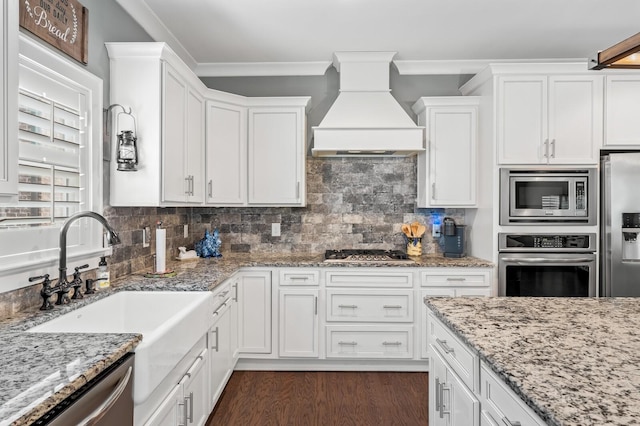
{"x":553,"y":148}
{"x":433,"y":191}
{"x":438,"y":401}
{"x":447,"y":349}
{"x":235,"y":286}
{"x":546,"y":148}
{"x":297,"y":190}
{"x":508,"y":422}
{"x":102,"y":409}
{"x":391,"y":343}
{"x":348,"y":343}
{"x":392,"y":306}
{"x":348,"y":306}
{"x":216,"y":346}
{"x":298,"y":278}
{"x":456,"y":279}
{"x":188,"y":181}
{"x":210,"y":188}
{"x":223,"y":294}
{"x":315,"y":307}
{"x":190,"y":407}
{"x":184,"y":412}
{"x":442,"y":411}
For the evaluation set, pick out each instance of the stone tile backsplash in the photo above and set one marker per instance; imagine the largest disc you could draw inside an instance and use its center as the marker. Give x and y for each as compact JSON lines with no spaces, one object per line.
{"x":351,"y":203}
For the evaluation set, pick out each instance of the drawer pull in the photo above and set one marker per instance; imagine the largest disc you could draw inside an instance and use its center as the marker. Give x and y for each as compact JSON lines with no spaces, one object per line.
{"x":300,"y":278}
{"x":456,"y":279}
{"x":508,"y":422}
{"x":442,"y":410}
{"x":223,"y":294}
{"x":438,"y":401}
{"x":348,"y":306}
{"x":348,"y":343}
{"x":447,"y":349}
{"x":391,"y":343}
{"x":392,"y":306}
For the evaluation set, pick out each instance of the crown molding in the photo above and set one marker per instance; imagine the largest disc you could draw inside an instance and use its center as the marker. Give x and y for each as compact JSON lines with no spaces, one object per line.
{"x":149,"y":21}
{"x":472,"y":66}
{"x":252,"y":69}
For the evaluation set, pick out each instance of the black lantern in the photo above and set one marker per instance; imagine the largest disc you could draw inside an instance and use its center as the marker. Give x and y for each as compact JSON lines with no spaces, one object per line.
{"x":127,"y":151}
{"x":127,"y":148}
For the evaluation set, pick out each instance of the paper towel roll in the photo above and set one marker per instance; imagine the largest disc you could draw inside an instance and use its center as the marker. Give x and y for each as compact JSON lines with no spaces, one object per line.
{"x":161,"y":250}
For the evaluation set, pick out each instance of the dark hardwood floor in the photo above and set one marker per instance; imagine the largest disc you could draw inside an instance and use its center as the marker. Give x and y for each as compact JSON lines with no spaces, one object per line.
{"x":268,"y":398}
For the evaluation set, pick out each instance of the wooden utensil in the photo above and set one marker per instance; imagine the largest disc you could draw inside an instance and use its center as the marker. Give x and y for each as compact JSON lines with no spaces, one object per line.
{"x":421,"y":230}
{"x":406,"y":230}
{"x":414,"y":229}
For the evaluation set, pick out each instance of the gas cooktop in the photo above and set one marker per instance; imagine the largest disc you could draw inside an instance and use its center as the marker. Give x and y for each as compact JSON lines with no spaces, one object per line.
{"x":365,"y":255}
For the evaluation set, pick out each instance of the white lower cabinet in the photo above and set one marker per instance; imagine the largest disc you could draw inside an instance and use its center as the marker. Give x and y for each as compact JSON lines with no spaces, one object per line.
{"x":369,"y":341}
{"x":451,"y":403}
{"x":220,"y":359}
{"x":254,"y":312}
{"x":463,"y":390}
{"x":188,"y":401}
{"x":298,"y":323}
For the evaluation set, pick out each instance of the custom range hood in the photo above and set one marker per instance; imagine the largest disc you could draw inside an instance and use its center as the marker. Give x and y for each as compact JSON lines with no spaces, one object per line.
{"x":365,"y":120}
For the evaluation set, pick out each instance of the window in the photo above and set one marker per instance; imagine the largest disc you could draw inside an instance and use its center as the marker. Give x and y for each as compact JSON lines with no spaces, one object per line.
{"x":59,"y":168}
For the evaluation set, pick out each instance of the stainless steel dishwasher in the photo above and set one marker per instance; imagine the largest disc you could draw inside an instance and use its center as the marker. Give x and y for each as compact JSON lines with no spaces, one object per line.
{"x":106,"y":400}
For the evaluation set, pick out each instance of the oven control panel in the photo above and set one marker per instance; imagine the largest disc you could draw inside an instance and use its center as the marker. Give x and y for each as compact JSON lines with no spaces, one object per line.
{"x":543,"y":242}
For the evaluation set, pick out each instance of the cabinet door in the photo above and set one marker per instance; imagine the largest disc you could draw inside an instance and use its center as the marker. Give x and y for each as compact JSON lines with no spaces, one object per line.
{"x":220,"y":356}
{"x":451,"y":402}
{"x":174,"y":180}
{"x":195,"y":147}
{"x":622,"y":103}
{"x":452,"y":156}
{"x":575,"y":119}
{"x":522,"y":120}
{"x":254,"y":312}
{"x":298,"y":323}
{"x":170,"y":412}
{"x":196,"y":391}
{"x":276,"y":156}
{"x":226,"y":148}
{"x":8,"y":98}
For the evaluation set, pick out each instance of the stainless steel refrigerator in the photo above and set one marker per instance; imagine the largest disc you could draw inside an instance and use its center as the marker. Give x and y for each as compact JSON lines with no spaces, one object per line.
{"x":620,"y":225}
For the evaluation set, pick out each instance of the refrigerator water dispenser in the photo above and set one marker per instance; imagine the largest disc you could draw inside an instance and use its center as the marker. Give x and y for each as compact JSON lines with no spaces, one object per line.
{"x":630,"y":240}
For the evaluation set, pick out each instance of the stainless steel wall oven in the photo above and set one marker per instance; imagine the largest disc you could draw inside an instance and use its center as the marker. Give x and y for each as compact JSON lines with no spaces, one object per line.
{"x":547,"y":265}
{"x":548,"y":196}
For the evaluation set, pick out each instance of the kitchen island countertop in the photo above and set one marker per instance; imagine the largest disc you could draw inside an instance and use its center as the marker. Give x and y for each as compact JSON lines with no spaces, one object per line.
{"x":40,"y":370}
{"x":574,"y":361}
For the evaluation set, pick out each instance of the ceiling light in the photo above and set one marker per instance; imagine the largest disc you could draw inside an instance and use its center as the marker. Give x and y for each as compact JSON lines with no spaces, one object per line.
{"x":625,"y":54}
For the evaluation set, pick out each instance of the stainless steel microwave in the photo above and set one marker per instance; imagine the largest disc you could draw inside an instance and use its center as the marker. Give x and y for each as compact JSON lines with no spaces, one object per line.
{"x":548,"y":196}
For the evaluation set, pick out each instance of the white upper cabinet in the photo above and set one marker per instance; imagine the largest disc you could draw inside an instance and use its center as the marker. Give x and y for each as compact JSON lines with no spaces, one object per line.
{"x":182,"y":140}
{"x":254,"y":148}
{"x":544,"y":119}
{"x":226,"y":164}
{"x":166,"y":99}
{"x":447,"y":169}
{"x":277,"y":155}
{"x":8,"y":98}
{"x":622,"y":109}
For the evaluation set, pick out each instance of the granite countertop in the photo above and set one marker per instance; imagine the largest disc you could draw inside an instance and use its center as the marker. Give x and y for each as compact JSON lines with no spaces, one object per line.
{"x":574,"y":361}
{"x":40,"y":370}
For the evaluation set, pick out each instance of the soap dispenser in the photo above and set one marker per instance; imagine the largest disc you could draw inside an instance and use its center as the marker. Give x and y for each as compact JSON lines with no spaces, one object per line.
{"x":102,"y":277}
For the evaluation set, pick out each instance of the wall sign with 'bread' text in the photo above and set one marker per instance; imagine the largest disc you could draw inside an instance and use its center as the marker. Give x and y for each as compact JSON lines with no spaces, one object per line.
{"x":61,"y":23}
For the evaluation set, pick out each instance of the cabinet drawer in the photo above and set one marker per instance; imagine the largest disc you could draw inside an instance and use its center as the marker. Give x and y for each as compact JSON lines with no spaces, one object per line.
{"x":370,"y":306}
{"x":369,"y":279}
{"x":369,"y":342}
{"x":299,"y":277}
{"x":501,"y":404}
{"x":457,"y":279}
{"x":456,"y":353}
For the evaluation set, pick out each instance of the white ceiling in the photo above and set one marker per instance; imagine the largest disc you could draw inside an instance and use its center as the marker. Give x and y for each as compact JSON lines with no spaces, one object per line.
{"x":298,"y":37}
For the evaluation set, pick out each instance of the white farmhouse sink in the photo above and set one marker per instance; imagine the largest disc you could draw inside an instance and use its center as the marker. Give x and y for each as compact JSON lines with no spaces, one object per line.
{"x":170,"y":322}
